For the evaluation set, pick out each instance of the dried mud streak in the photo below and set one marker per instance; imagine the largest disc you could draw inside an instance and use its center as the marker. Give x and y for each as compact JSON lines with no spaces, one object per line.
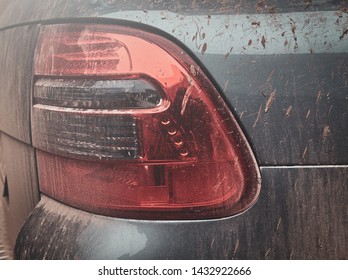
{"x":204,"y":48}
{"x":293,"y":31}
{"x":263,"y":41}
{"x":50,"y":241}
{"x":345,"y":32}
{"x":270,"y":100}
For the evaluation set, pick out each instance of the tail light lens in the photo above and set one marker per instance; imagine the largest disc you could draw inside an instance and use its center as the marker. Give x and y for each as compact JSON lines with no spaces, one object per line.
{"x":126,"y":124}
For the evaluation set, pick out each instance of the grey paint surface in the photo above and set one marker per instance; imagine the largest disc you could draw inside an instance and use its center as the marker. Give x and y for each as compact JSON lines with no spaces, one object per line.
{"x":294,"y":108}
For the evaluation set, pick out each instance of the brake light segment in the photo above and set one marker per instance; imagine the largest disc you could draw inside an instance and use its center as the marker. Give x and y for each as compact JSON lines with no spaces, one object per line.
{"x":126,"y":124}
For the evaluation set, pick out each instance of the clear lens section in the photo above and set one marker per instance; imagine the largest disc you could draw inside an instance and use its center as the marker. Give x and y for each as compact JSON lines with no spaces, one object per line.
{"x":79,"y":135}
{"x":167,"y":146}
{"x":97,"y":94}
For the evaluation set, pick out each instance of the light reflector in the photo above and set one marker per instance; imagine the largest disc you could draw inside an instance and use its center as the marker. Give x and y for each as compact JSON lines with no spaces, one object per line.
{"x":166,"y":147}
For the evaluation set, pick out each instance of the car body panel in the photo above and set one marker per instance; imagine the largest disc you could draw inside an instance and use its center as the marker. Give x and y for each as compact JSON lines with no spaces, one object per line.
{"x":16,"y":79}
{"x":288,"y":222}
{"x":18,"y":170}
{"x":38,"y":10}
{"x":283,"y":72}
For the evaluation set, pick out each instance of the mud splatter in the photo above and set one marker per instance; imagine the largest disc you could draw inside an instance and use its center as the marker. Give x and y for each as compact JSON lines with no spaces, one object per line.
{"x":263,"y":41}
{"x":256,"y":23}
{"x":260,"y":6}
{"x":345,"y":32}
{"x":307,"y":3}
{"x":267,"y":252}
{"x":293,"y":30}
{"x":204,"y":48}
{"x":326,"y":131}
{"x":258,"y":116}
{"x":318,"y":97}
{"x":236,"y":247}
{"x":270,"y":100}
{"x":304,"y":152}
{"x":228,"y":54}
{"x":271,"y":10}
{"x":278,"y":224}
{"x":308,"y":113}
{"x":344,"y":9}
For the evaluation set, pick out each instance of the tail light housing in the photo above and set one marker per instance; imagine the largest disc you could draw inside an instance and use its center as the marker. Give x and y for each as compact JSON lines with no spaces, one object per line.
{"x":126,"y":124}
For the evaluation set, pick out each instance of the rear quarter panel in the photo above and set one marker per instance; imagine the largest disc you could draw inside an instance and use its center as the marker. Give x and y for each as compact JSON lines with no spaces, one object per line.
{"x":282,"y":66}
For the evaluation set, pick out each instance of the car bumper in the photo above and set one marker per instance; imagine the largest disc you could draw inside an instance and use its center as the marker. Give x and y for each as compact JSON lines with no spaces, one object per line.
{"x":291,"y":220}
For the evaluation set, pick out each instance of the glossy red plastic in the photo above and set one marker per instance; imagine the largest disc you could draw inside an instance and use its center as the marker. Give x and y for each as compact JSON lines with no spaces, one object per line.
{"x":193,"y":160}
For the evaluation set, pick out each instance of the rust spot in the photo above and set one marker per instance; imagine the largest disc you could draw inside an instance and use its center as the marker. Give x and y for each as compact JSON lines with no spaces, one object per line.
{"x":270,"y":100}
{"x":283,"y":33}
{"x":250,"y":42}
{"x":263,"y":41}
{"x":286,"y":43}
{"x":204,"y":48}
{"x":203,"y":35}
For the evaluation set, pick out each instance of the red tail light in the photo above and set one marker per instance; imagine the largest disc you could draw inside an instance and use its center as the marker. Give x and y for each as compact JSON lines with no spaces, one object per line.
{"x":126,"y":124}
